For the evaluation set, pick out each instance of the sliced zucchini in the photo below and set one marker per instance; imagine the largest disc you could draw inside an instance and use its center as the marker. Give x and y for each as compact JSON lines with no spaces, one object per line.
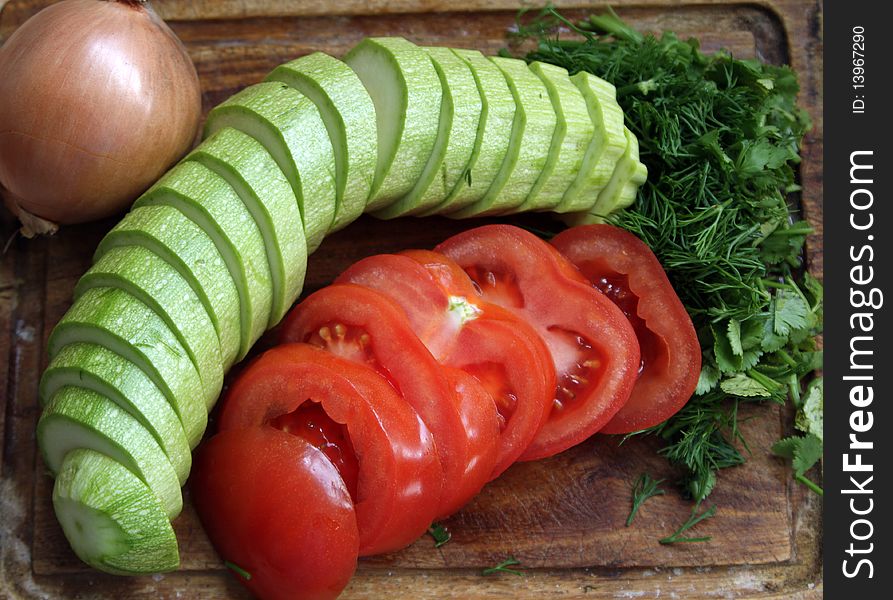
{"x":114,"y":319}
{"x":250,"y":170}
{"x":147,"y":277}
{"x":80,"y":418}
{"x":529,"y":141}
{"x":607,"y":145}
{"x":209,"y":201}
{"x":573,"y":131}
{"x":95,"y":368}
{"x":406,"y":93}
{"x":621,"y":190}
{"x":460,"y":113}
{"x":491,"y":142}
{"x":112,"y":519}
{"x":349,"y":115}
{"x":288,"y":124}
{"x":185,"y":246}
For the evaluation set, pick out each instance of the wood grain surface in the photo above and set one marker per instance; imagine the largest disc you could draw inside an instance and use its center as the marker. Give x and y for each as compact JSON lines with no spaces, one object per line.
{"x":563,"y":517}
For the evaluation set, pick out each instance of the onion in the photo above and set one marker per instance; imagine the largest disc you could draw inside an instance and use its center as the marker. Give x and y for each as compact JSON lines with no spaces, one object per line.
{"x":97,"y":100}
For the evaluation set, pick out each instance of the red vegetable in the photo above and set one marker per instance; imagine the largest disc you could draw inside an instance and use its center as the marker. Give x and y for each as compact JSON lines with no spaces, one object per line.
{"x":278,"y":512}
{"x":366,"y":327}
{"x":399,"y":477}
{"x":624,"y":268}
{"x":593,"y":346}
{"x":500,"y":349}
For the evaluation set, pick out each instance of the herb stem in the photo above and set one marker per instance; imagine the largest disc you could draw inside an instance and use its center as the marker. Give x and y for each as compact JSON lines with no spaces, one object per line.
{"x":810,"y":484}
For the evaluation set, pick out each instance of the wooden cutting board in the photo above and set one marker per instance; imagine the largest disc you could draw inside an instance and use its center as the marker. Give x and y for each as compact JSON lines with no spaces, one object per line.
{"x":562,"y":518}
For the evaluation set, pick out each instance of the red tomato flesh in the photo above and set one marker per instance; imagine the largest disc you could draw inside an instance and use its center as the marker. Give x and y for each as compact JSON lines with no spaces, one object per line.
{"x":276,"y":508}
{"x":399,"y":477}
{"x":448,"y":314}
{"x":365,"y":326}
{"x":623,"y":267}
{"x":593,"y":346}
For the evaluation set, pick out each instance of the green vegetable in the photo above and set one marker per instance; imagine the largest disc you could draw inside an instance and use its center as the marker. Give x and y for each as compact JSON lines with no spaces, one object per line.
{"x":719,"y":137}
{"x":644,"y":488}
{"x":440,"y":534}
{"x":803,"y":452}
{"x":693,"y":519}
{"x":503,"y":567}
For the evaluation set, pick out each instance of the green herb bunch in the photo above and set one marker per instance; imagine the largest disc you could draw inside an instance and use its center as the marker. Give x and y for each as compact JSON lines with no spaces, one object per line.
{"x":720,"y":137}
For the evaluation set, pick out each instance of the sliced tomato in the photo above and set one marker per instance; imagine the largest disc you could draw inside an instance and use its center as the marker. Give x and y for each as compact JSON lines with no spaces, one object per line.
{"x":278,"y":512}
{"x":593,"y":346}
{"x":623,"y":267}
{"x":461,"y":330}
{"x":365,"y":326}
{"x":398,"y":475}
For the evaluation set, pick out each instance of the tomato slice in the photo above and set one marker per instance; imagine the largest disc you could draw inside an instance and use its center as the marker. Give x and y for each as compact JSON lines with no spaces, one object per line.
{"x":398,"y":474}
{"x":272,"y":505}
{"x":593,"y":346}
{"x":365,"y":326}
{"x":623,"y":267}
{"x":461,"y":330}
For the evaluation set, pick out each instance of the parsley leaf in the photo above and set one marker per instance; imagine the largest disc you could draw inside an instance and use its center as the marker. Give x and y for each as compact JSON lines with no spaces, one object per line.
{"x":440,"y":534}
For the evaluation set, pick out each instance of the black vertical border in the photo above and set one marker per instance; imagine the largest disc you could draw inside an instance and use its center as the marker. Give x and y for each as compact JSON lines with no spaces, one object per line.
{"x":846,"y":132}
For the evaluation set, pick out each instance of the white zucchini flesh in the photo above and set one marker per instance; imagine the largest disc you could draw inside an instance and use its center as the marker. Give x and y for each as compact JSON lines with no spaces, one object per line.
{"x":209,"y":201}
{"x":607,"y":145}
{"x":171,"y":235}
{"x":491,"y":143}
{"x":573,"y":131}
{"x":114,"y":319}
{"x":349,"y":116}
{"x":621,"y":190}
{"x":460,"y":113}
{"x":151,"y":280}
{"x":289,"y":126}
{"x":531,"y":137}
{"x":111,"y":518}
{"x":406,"y":92}
{"x":104,"y":372}
{"x":80,"y":418}
{"x":250,"y":170}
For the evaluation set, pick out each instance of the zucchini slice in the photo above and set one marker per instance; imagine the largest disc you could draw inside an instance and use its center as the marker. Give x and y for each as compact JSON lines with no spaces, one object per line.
{"x":80,"y":418}
{"x":349,"y":115}
{"x":151,"y":280}
{"x":112,"y":519}
{"x":491,"y":143}
{"x":406,"y":92}
{"x":209,"y":201}
{"x":531,"y":135}
{"x":288,"y":124}
{"x":114,"y":319}
{"x":250,"y":170}
{"x":573,"y":130}
{"x":104,"y":372}
{"x":185,"y":246}
{"x":607,"y":145}
{"x":460,"y":113}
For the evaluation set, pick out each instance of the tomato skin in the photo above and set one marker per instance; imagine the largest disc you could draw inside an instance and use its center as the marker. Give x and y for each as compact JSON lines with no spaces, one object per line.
{"x":610,"y":256}
{"x":397,"y":353}
{"x":275,"y":506}
{"x":499,"y":348}
{"x":400,"y":478}
{"x":593,"y":345}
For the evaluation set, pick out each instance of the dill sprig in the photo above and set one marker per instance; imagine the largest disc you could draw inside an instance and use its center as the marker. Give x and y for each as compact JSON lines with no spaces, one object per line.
{"x":644,"y":488}
{"x":503,"y":567}
{"x":676,"y":537}
{"x":720,"y":137}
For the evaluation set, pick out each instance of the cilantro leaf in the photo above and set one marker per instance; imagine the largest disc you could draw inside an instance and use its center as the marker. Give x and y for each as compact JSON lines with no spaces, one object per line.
{"x":744,"y":386}
{"x":803,"y":451}
{"x":811,"y":416}
{"x":707,"y":380}
{"x":790,"y":312}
